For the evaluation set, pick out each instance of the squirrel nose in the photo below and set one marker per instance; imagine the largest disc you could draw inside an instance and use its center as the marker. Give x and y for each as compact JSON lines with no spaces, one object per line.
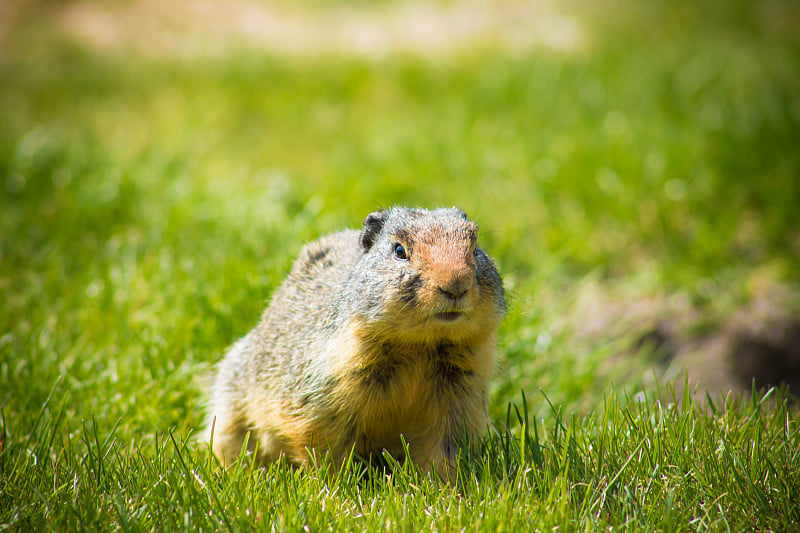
{"x":453,"y":293}
{"x":456,"y":287}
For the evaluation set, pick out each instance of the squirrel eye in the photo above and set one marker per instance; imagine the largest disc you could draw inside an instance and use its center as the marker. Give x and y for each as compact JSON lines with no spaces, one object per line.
{"x":399,"y":251}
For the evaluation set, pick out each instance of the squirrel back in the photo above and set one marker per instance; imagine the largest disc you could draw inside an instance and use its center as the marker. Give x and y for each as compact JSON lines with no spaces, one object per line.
{"x":374,"y":334}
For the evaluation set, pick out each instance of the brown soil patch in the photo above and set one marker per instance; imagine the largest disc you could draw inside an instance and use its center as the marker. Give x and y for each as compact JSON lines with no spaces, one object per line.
{"x":757,"y":344}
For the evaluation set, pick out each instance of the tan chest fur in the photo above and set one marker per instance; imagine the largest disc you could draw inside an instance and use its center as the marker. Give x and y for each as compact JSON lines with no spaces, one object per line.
{"x":388,"y":389}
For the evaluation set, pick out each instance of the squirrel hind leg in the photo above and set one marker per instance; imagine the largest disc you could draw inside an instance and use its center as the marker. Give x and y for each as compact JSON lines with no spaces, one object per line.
{"x":227,"y":434}
{"x":227,"y":425}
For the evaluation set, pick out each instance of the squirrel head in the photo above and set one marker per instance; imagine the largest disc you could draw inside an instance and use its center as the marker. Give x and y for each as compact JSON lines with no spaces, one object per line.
{"x":423,"y":277}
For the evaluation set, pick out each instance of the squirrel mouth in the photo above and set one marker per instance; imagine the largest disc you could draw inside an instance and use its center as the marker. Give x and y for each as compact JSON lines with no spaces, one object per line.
{"x":450,"y":316}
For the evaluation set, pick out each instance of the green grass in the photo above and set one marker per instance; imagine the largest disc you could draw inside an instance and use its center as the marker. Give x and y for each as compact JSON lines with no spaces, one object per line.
{"x":148,"y":207}
{"x":645,"y":465}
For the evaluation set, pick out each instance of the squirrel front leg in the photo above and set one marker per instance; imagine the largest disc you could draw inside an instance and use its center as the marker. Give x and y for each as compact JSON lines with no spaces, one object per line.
{"x":463,"y":423}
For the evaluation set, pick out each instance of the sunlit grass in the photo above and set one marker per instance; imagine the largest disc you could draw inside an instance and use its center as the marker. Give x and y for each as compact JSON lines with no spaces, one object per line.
{"x":149,"y":207}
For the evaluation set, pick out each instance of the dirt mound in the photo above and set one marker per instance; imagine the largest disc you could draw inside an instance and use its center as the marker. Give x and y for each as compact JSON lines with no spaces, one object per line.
{"x":757,"y":344}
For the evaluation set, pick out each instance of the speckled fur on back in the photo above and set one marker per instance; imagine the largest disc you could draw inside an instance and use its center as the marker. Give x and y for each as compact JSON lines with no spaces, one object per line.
{"x":377,"y":333}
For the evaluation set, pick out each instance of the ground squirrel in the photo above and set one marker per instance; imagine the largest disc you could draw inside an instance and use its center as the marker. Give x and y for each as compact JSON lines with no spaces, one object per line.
{"x":374,"y":334}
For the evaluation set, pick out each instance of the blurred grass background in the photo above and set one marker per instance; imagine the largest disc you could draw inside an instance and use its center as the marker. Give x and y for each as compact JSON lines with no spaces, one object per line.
{"x":150,"y":203}
{"x":634,"y":168}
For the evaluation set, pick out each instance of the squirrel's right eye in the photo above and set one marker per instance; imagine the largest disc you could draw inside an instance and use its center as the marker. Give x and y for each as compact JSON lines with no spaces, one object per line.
{"x":399,"y":251}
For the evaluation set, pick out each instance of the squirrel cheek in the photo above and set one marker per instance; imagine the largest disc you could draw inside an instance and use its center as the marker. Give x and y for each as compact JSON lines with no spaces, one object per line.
{"x":405,"y":290}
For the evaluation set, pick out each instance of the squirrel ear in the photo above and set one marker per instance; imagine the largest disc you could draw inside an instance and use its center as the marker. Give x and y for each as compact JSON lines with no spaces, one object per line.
{"x":372,"y":227}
